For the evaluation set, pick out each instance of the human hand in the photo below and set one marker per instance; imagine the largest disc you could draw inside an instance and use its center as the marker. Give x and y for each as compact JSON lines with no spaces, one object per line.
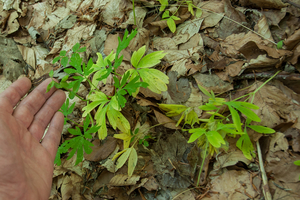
{"x":26,"y":165}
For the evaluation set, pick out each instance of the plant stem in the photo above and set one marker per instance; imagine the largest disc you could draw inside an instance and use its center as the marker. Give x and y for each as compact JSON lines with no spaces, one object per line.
{"x":133,"y":12}
{"x":203,"y":160}
{"x":91,"y":84}
{"x":76,"y":95}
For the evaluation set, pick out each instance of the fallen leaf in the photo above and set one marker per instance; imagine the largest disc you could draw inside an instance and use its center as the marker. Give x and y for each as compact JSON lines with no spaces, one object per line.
{"x":232,"y":185}
{"x":275,"y":4}
{"x":124,"y":180}
{"x":189,"y":27}
{"x":101,"y":151}
{"x":166,"y":121}
{"x":212,"y":82}
{"x":179,"y":90}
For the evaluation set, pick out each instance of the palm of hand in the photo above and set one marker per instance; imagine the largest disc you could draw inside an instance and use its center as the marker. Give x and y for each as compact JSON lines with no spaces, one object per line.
{"x":26,"y":165}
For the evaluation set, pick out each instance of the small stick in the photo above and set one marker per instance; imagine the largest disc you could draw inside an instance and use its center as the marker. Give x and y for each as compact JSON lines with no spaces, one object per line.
{"x":265,"y":187}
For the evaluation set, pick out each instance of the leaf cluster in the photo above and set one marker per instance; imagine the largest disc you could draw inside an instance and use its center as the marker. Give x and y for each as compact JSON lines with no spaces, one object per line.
{"x":78,"y":143}
{"x":172,"y":18}
{"x":108,"y":108}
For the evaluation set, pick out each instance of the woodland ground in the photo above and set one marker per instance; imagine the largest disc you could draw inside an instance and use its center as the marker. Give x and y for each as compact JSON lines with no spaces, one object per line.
{"x":230,"y":49}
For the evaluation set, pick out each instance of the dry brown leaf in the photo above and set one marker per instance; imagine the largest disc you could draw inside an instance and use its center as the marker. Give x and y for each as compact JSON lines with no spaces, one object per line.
{"x":293,"y":40}
{"x":28,"y":55}
{"x":235,"y":68}
{"x":194,"y":41}
{"x":236,"y":16}
{"x":280,"y":162}
{"x":103,"y":179}
{"x":212,"y":82}
{"x":112,"y":12}
{"x":140,"y":14}
{"x":111,"y":43}
{"x":148,"y":93}
{"x":144,"y":102}
{"x":262,"y":27}
{"x":179,"y":39}
{"x":12,"y":23}
{"x":77,"y":34}
{"x":151,"y":184}
{"x":101,"y":151}
{"x":141,"y":39}
{"x":230,"y":159}
{"x":211,"y":20}
{"x":166,"y":121}
{"x":179,"y":67}
{"x":275,"y":106}
{"x":124,"y":180}
{"x":190,"y":27}
{"x":232,"y":185}
{"x":232,"y":44}
{"x":173,"y":55}
{"x":71,"y":187}
{"x":164,"y":44}
{"x":276,"y":4}
{"x":274,"y":16}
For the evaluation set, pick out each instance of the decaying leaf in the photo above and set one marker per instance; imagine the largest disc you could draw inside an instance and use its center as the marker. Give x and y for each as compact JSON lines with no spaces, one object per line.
{"x":124,"y":180}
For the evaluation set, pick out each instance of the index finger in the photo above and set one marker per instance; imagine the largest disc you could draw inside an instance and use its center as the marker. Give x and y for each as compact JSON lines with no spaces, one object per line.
{"x":13,"y":94}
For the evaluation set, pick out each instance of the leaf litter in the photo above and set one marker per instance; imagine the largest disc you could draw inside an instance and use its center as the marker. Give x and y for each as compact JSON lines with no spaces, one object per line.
{"x":219,"y":51}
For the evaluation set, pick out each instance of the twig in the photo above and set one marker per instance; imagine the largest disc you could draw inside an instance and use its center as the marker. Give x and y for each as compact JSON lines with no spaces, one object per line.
{"x":281,"y":187}
{"x":265,"y":187}
{"x":280,"y":76}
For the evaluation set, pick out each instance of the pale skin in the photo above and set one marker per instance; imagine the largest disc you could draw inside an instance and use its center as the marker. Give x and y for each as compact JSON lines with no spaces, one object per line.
{"x":26,"y":164}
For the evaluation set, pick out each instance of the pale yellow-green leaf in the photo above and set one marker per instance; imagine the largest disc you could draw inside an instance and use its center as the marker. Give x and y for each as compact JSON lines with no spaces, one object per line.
{"x":122,"y":159}
{"x":190,"y":8}
{"x":114,"y":103}
{"x":198,"y":13}
{"x":126,"y":137}
{"x":156,"y":80}
{"x":191,"y":118}
{"x":98,"y":96}
{"x":100,"y":118}
{"x":172,"y":109}
{"x":151,"y":59}
{"x":217,"y":114}
{"x":117,"y":120}
{"x":88,"y":108}
{"x":137,"y":55}
{"x":179,"y":121}
{"x":97,"y":75}
{"x":132,"y":161}
{"x":171,"y":25}
{"x":118,"y":154}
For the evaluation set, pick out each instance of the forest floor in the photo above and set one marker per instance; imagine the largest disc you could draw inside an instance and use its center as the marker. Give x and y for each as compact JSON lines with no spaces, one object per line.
{"x":228,"y":47}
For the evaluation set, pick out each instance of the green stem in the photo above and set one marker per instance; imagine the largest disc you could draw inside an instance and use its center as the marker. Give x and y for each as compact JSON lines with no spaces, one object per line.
{"x":203,"y":160}
{"x":76,"y":95}
{"x":91,"y":84}
{"x":133,"y":12}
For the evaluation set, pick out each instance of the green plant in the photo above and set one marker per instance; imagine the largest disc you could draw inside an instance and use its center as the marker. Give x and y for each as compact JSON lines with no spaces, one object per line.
{"x":171,"y":18}
{"x":77,"y":144}
{"x":211,"y":133}
{"x":108,"y":108}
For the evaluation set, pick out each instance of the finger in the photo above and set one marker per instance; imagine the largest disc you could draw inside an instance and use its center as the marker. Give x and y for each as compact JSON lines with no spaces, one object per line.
{"x":28,"y":107}
{"x":52,"y":137}
{"x":12,"y":95}
{"x":45,"y":114}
